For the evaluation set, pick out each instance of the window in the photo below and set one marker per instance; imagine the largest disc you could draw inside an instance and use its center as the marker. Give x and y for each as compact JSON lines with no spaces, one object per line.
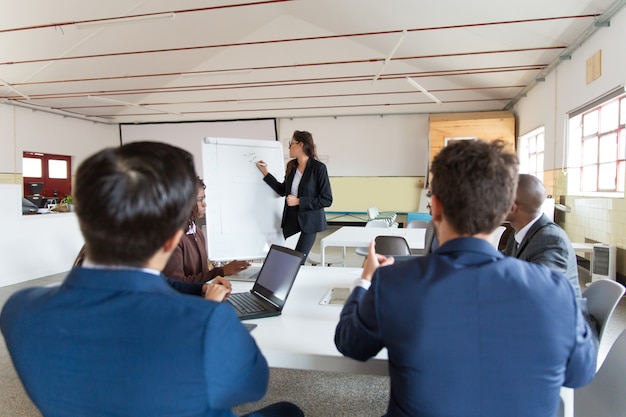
{"x":531,"y":153}
{"x":597,"y":146}
{"x":46,"y":177}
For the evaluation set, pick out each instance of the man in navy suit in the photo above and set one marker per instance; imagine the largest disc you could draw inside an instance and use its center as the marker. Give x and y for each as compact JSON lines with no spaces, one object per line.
{"x":468,"y":331}
{"x":114,"y":339}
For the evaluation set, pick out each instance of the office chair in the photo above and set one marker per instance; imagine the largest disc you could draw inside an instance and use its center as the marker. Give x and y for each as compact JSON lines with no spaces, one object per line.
{"x":392,"y":245}
{"x":605,"y":396}
{"x":602,"y":298}
{"x":496,"y":235}
{"x":388,"y":216}
{"x":417,"y":224}
{"x":372,"y":223}
{"x":315,"y":259}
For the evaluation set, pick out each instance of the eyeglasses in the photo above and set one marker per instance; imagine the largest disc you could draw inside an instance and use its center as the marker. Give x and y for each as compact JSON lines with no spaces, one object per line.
{"x":293,"y":143}
{"x":201,"y":199}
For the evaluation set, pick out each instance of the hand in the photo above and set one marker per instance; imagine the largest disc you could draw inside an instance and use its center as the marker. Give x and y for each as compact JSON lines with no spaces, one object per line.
{"x":217,"y":290}
{"x":262,"y":166}
{"x":373,"y":261}
{"x":292,"y":200}
{"x":234,"y":267}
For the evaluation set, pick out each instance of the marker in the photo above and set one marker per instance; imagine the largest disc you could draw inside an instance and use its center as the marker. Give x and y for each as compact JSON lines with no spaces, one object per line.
{"x":262,"y":164}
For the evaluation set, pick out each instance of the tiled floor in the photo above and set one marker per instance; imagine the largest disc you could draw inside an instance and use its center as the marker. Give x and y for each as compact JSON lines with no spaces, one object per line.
{"x":348,"y":390}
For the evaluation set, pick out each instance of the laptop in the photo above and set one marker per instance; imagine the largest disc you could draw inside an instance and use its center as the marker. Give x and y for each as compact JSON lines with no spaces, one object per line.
{"x":272,"y":286}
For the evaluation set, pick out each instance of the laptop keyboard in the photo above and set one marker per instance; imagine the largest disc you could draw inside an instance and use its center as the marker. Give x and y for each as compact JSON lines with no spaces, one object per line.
{"x":246,"y":304}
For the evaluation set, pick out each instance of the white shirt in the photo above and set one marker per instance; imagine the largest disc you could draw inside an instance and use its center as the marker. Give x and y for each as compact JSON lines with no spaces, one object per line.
{"x":296,"y":182}
{"x":519,"y":236}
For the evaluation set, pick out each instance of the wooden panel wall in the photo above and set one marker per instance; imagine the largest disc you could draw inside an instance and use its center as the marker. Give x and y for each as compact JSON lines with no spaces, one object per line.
{"x":488,"y":126}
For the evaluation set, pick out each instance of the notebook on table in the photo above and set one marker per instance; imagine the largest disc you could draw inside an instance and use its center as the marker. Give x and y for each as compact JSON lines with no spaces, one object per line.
{"x":272,"y":286}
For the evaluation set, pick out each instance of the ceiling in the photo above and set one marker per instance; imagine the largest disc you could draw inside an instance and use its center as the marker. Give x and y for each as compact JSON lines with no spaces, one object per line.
{"x":121,"y":61}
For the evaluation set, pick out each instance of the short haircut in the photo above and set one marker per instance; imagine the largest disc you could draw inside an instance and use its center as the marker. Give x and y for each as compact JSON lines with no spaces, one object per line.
{"x":475,"y":182}
{"x":130,"y":200}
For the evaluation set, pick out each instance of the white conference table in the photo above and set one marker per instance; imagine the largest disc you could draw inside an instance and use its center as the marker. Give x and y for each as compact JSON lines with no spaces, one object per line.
{"x":360,"y":236}
{"x":303,"y":336}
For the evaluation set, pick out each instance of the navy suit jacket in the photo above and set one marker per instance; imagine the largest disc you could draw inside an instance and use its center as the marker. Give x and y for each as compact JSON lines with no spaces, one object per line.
{"x":547,"y":244}
{"x":470,"y":332}
{"x":124,"y":343}
{"x":314,"y":193}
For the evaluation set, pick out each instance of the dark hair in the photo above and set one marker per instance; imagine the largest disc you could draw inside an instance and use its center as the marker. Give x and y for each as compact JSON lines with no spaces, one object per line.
{"x":306,"y":138}
{"x":194,"y":210}
{"x":131,"y":199}
{"x":475,"y":182}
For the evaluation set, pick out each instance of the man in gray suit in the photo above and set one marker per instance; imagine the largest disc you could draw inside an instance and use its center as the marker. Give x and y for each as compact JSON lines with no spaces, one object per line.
{"x":537,"y":239}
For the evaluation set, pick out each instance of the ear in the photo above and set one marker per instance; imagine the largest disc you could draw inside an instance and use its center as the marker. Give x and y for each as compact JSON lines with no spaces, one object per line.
{"x":171,"y":243}
{"x":436,"y":209}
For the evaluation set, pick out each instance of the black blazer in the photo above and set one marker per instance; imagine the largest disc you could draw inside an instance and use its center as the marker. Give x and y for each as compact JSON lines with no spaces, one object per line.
{"x":314,"y":193}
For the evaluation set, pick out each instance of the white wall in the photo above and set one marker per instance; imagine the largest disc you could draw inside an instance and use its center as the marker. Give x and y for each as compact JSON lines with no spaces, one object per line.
{"x":566,"y":89}
{"x":394,"y":145}
{"x":40,"y":245}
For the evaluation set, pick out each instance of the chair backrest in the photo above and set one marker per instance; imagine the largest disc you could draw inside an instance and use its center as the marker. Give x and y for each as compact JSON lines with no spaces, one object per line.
{"x":602,"y":298}
{"x":496,"y":235}
{"x":372,"y":212}
{"x":392,"y":245}
{"x":377,"y":223}
{"x":417,"y":224}
{"x":605,"y":396}
{"x":430,"y":239}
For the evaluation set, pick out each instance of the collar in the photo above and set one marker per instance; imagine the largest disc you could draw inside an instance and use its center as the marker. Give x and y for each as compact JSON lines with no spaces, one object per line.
{"x":117,"y":279}
{"x":469,"y":251}
{"x":91,"y":265}
{"x":519,"y":236}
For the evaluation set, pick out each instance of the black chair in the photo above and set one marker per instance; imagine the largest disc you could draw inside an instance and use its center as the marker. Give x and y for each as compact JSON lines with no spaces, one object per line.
{"x":392,"y":245}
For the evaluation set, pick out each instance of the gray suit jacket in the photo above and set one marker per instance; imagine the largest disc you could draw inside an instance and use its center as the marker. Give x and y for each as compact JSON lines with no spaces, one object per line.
{"x":547,"y":244}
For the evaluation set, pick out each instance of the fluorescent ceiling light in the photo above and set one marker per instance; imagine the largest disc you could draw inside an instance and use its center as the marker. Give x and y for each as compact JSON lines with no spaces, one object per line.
{"x":123,"y":20}
{"x":393,"y":51}
{"x":423,"y":90}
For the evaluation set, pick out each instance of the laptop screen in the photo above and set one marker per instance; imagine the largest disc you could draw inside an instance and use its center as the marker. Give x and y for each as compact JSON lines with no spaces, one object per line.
{"x":278,"y":274}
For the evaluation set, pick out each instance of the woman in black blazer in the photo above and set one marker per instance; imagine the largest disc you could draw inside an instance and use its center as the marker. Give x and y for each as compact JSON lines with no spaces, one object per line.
{"x":307,"y":189}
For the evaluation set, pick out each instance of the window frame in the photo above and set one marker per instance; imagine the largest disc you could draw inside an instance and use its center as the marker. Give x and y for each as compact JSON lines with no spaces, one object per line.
{"x":523,"y":143}
{"x":578,"y":137}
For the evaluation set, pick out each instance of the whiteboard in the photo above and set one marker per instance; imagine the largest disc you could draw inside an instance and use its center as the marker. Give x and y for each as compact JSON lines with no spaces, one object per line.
{"x":243,"y":213}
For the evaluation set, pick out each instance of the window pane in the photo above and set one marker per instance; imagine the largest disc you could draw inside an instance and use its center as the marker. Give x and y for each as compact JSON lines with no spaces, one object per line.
{"x":57,"y":169}
{"x":620,"y":176}
{"x":540,"y":142}
{"x":607,"y":180}
{"x":539,"y":163}
{"x":608,"y":148}
{"x":622,"y":144}
{"x":532,"y":164}
{"x":532,"y":145}
{"x":622,"y":118}
{"x":589,"y":178}
{"x":609,"y":116}
{"x":590,"y":151}
{"x":575,"y":123}
{"x":31,"y":167}
{"x":590,"y":123}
